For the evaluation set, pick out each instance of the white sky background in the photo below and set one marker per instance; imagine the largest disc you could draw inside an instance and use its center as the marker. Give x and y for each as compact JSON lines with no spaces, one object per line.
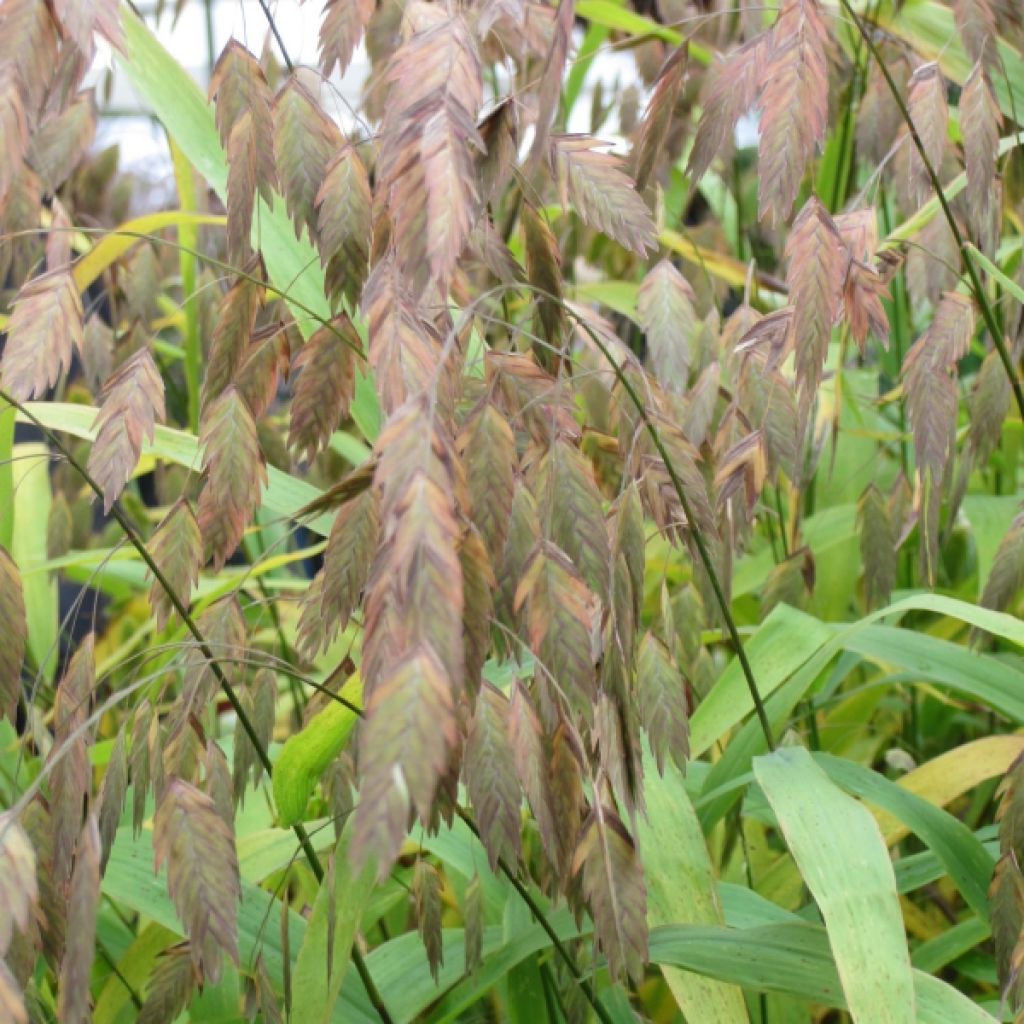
{"x":142,"y":142}
{"x":143,"y":146}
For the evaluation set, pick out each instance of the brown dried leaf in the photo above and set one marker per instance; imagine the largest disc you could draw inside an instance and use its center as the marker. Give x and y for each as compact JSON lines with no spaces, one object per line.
{"x":327,"y":607}
{"x":70,"y":770}
{"x":325,"y":386}
{"x":488,"y":449}
{"x":613,"y":884}
{"x":544,"y":271}
{"x":980,"y":122}
{"x":489,"y":771}
{"x":344,"y":222}
{"x":344,"y":22}
{"x":59,"y":144}
{"x":926,"y":101}
{"x":236,"y":321}
{"x":549,"y":91}
{"x":660,"y":110}
{"x":170,"y":987}
{"x":560,"y":617}
{"x":202,"y":872}
{"x":133,"y":401}
{"x":44,"y":329}
{"x":877,"y":547}
{"x":177,"y":549}
{"x":83,"y":901}
{"x":794,"y":105}
{"x":426,"y":891}
{"x":19,"y":889}
{"x":664,"y":304}
{"x":817,"y":267}
{"x":235,"y":474}
{"x":305,"y":142}
{"x":732,"y":88}
{"x":602,"y":193}
{"x":661,"y":698}
{"x":572,"y":513}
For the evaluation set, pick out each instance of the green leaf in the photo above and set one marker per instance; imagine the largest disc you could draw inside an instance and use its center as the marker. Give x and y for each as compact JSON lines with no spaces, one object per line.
{"x":307,"y":754}
{"x":329,"y":937}
{"x":794,"y":959}
{"x":130,"y":881}
{"x":1005,"y":282}
{"x":845,"y":864}
{"x":965,"y":859}
{"x":926,"y":658}
{"x":990,"y":517}
{"x":680,"y":889}
{"x":32,"y":497}
{"x":783,"y":642}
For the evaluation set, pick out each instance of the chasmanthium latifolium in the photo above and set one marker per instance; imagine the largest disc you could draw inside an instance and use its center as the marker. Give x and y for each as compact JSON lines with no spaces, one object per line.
{"x":465,"y":439}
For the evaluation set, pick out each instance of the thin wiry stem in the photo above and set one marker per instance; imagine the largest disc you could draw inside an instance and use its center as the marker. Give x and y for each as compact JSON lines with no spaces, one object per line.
{"x":277,"y":35}
{"x":987,"y":313}
{"x":225,"y":684}
{"x":577,"y":975}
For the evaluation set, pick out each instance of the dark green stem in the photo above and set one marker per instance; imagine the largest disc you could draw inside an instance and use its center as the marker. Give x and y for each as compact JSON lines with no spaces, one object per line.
{"x":277,"y":35}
